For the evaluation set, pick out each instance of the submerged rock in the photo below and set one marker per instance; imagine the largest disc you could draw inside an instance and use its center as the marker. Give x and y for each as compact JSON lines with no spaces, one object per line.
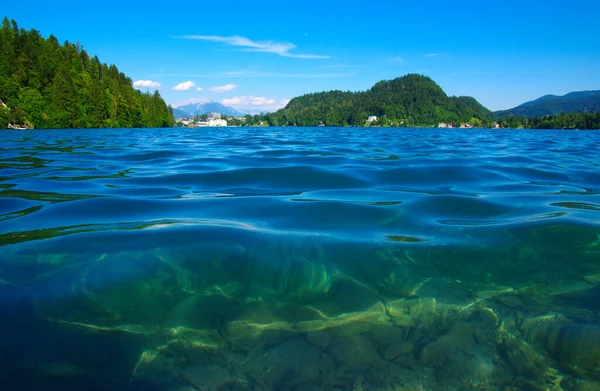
{"x":574,"y":346}
{"x":212,"y":377}
{"x":290,"y":364}
{"x":319,"y":338}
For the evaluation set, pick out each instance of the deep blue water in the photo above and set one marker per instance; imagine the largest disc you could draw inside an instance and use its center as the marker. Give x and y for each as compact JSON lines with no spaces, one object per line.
{"x":299,"y":259}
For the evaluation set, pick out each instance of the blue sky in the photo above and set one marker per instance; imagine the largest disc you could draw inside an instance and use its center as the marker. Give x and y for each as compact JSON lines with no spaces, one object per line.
{"x":255,"y":55}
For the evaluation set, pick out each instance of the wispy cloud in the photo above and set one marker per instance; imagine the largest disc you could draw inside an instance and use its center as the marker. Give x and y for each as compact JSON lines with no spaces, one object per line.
{"x":237,"y":73}
{"x":255,"y":104}
{"x":280,"y":48}
{"x":225,"y":88}
{"x":248,"y":100}
{"x":337,"y":66}
{"x":199,"y":89}
{"x":146,"y":84}
{"x":186,"y":85}
{"x":432,"y":55}
{"x":256,"y":74}
{"x":396,"y":60}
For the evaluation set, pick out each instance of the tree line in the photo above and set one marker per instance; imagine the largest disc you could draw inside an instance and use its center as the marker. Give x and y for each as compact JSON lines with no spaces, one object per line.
{"x":583,"y":121}
{"x":44,"y":84}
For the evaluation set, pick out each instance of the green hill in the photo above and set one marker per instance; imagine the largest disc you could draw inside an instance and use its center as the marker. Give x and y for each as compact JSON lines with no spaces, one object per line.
{"x":47,"y":85}
{"x":574,"y":102}
{"x":411,"y":100}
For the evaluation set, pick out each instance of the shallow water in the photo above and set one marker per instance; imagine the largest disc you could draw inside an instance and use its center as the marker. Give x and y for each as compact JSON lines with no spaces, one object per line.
{"x":300,"y":259}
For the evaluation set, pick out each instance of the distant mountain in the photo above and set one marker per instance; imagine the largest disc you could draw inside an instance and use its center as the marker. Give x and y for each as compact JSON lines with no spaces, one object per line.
{"x":203,"y":108}
{"x":177,"y":113}
{"x":574,"y":102}
{"x":257,"y":111}
{"x":411,"y":100}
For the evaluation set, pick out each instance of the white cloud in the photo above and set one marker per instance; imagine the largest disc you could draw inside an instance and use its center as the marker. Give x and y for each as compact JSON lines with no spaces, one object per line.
{"x":432,"y":54}
{"x":396,"y":60}
{"x":237,"y":73}
{"x":199,"y":89}
{"x":337,"y":66}
{"x":146,"y":84}
{"x":255,"y":104}
{"x":248,"y":100}
{"x":225,"y":88}
{"x":258,"y":74}
{"x":261,"y":101}
{"x":186,"y":85}
{"x":282,"y":49}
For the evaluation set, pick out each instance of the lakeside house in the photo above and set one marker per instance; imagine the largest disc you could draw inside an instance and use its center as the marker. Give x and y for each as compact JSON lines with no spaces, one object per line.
{"x":213,"y":123}
{"x":212,"y":116}
{"x":451,"y":126}
{"x":184,"y":121}
{"x":372,"y":118}
{"x":212,"y":120}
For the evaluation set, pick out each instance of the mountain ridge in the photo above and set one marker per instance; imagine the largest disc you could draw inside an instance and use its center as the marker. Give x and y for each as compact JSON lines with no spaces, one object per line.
{"x":199,"y":108}
{"x":572,"y":102}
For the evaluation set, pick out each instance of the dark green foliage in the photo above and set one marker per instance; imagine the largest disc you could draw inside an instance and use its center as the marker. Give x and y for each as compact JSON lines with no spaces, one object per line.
{"x":574,"y":102}
{"x":561,"y":121}
{"x":46,"y":85}
{"x":412,"y":100}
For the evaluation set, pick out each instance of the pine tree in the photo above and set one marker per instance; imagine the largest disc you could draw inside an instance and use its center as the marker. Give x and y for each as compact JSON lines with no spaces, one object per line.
{"x":48,"y":85}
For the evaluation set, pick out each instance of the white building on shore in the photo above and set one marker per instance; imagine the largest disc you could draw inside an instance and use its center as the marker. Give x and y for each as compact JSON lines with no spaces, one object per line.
{"x":216,"y":122}
{"x":213,"y":116}
{"x":212,"y":120}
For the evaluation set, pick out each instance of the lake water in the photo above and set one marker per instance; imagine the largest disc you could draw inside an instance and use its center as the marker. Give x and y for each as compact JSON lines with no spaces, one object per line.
{"x":299,"y":259}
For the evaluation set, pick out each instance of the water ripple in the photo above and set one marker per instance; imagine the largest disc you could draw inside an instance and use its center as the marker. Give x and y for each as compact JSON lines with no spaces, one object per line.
{"x":374,"y":181}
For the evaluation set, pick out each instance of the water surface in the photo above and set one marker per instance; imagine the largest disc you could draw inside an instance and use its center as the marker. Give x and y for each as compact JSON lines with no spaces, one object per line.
{"x":299,"y":259}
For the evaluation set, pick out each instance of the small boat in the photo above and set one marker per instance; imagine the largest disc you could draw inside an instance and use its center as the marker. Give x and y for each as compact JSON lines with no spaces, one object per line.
{"x":16,"y":127}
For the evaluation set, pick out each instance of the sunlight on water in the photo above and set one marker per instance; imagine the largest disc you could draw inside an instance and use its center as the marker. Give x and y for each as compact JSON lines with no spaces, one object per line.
{"x":300,"y":259}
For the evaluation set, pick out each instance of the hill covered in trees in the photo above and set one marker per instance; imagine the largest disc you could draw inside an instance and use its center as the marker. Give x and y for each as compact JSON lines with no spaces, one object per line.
{"x":47,"y":85}
{"x":411,"y":100}
{"x":574,"y":102}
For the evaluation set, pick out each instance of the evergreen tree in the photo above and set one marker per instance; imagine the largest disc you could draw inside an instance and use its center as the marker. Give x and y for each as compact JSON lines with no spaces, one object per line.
{"x":47,"y":85}
{"x":412,"y":99}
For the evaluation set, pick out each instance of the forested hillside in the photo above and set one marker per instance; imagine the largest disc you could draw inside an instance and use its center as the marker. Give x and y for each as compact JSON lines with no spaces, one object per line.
{"x":573,"y":102}
{"x":44,"y":84}
{"x":411,"y":100}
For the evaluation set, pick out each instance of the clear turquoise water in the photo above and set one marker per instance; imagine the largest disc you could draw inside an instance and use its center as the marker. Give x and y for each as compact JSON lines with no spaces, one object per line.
{"x":299,"y":259}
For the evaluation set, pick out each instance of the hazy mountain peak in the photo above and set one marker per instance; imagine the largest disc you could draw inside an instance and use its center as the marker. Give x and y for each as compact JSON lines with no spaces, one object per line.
{"x":199,"y":108}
